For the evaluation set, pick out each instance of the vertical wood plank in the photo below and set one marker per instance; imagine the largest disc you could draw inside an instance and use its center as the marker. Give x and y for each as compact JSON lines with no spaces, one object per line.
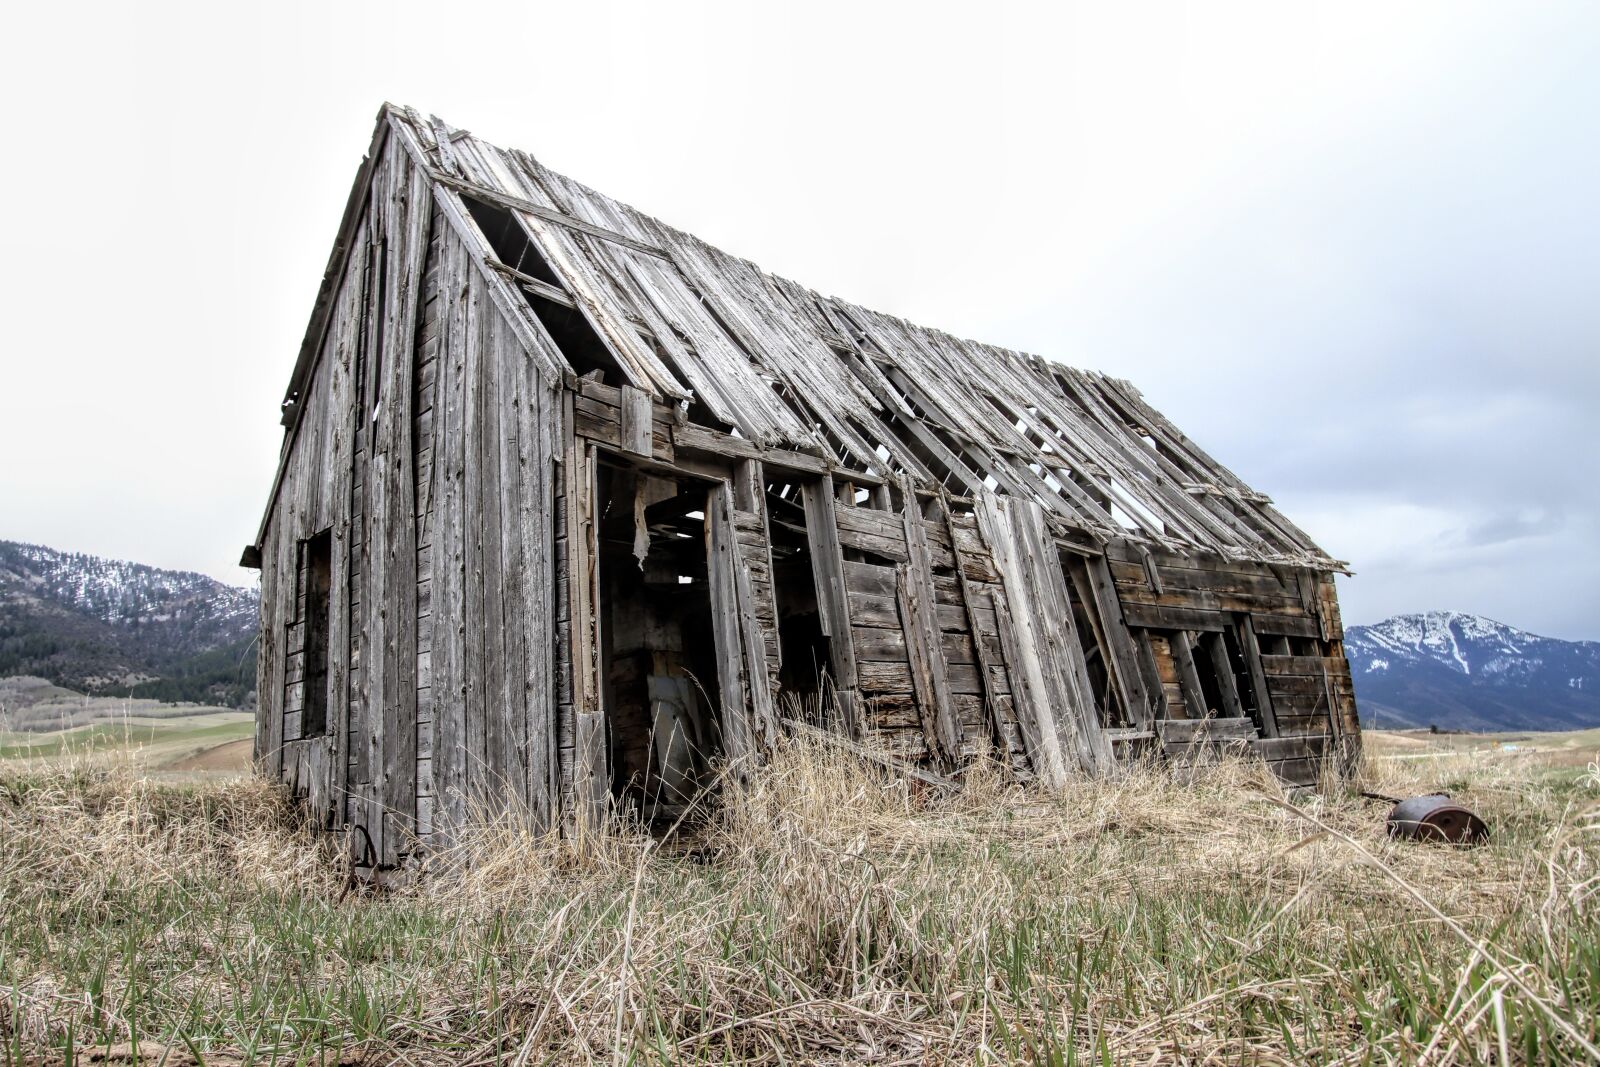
{"x":1258,"y":676}
{"x":377,"y":515}
{"x":1041,"y":643}
{"x":406,"y":262}
{"x":476,"y":542}
{"x":1151,"y":673}
{"x":635,"y":421}
{"x":986,"y":664}
{"x":833,"y":609}
{"x":591,"y":777}
{"x":763,"y":716}
{"x":924,"y":643}
{"x":494,"y":787}
{"x":449,"y":555}
{"x":722,"y":567}
{"x":1075,"y":713}
{"x":535,"y":589}
{"x":269,"y":657}
{"x":1194,"y":697}
{"x":1222,"y":670}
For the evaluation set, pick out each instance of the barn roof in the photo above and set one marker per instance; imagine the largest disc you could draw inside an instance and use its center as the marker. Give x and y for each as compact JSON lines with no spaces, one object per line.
{"x":789,"y":369}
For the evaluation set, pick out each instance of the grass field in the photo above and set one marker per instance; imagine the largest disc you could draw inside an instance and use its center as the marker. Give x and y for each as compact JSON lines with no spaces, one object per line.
{"x":165,"y":745}
{"x":826,"y":914}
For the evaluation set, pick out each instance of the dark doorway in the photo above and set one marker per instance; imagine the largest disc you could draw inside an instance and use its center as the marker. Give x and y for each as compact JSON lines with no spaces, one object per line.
{"x":658,"y":646}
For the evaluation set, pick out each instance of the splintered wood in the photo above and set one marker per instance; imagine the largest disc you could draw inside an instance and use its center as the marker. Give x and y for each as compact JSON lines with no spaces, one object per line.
{"x":604,"y":508}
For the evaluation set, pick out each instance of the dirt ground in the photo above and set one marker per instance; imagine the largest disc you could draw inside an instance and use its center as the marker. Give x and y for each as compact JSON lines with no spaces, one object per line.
{"x":232,"y":757}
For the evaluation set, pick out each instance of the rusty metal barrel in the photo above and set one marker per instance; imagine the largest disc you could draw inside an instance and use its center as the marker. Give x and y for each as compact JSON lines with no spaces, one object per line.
{"x":1436,"y":818}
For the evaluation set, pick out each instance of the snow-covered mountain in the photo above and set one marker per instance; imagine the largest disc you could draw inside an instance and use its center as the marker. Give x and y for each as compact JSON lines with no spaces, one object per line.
{"x":98,"y":624}
{"x":1460,"y":671}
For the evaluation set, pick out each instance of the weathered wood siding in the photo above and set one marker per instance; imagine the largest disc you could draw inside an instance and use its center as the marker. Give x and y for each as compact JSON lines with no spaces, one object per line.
{"x":425,"y":442}
{"x":1010,"y":558}
{"x":1285,"y":623}
{"x":314,"y":495}
{"x":488,"y":739}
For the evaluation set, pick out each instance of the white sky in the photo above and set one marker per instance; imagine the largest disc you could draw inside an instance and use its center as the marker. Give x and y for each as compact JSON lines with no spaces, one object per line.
{"x":1352,"y":249}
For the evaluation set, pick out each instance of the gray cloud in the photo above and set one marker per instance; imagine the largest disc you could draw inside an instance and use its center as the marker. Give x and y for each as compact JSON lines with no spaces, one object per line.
{"x":1354,"y":253}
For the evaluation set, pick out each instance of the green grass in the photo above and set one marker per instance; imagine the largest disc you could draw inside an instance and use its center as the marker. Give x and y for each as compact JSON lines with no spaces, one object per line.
{"x":827,"y":917}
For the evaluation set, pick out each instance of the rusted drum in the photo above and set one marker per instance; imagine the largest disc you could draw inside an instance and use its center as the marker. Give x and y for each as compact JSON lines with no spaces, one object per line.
{"x":1436,"y":818}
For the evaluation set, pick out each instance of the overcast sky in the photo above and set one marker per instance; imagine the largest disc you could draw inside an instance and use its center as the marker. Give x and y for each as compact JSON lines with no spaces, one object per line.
{"x":1351,"y":249}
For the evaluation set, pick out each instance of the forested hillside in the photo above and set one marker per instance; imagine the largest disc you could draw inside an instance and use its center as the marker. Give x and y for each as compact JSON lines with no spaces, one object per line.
{"x":108,"y":626}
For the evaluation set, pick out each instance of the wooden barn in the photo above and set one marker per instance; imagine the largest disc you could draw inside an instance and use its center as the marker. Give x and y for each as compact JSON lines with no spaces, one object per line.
{"x":573,"y":507}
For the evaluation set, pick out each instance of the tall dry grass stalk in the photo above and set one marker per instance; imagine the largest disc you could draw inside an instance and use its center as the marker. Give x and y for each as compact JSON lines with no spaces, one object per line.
{"x":825,"y":911}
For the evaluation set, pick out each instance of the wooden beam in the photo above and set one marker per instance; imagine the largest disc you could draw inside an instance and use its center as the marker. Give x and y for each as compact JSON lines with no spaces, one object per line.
{"x":535,"y":285}
{"x":833,"y":606}
{"x":1123,"y":655}
{"x":1216,"y":647}
{"x":1258,"y":676}
{"x":517,"y":203}
{"x":1162,"y":617}
{"x":924,"y":644}
{"x":702,"y":440}
{"x":1194,"y":695}
{"x":636,"y":421}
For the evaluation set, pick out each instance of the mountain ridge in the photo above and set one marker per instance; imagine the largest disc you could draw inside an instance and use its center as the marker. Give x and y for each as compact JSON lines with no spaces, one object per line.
{"x":103,"y":625}
{"x":1460,"y":671}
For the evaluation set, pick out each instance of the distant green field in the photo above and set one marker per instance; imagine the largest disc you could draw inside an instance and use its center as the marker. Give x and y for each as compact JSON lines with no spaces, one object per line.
{"x":109,"y":736}
{"x":170,"y":742}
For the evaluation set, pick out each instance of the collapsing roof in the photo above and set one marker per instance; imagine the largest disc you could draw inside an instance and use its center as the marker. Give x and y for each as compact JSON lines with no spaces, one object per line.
{"x":852,"y":390}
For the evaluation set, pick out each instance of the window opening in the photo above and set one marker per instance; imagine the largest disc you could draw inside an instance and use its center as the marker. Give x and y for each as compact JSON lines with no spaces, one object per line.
{"x":1243,"y":678}
{"x":318,"y":556}
{"x":1305,"y":646}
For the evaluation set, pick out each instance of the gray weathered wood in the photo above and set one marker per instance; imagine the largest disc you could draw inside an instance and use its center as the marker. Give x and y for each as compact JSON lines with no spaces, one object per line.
{"x":446,"y":441}
{"x":1194,"y":696}
{"x":636,"y":421}
{"x":591,"y":777}
{"x":929,"y":668}
{"x":722,"y":564}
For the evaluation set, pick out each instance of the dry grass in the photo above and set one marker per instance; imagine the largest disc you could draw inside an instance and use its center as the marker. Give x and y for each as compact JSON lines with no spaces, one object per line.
{"x":828,"y":914}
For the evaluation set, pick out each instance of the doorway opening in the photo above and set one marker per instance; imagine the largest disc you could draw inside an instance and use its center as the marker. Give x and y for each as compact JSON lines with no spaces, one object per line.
{"x":658,"y":645}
